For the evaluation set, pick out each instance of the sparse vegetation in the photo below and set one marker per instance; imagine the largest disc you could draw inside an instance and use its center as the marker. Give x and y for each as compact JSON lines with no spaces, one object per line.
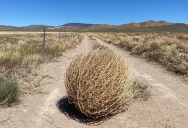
{"x":21,"y":53}
{"x":140,"y":90}
{"x":98,"y":46}
{"x":100,"y":83}
{"x":26,"y":50}
{"x":170,"y":50}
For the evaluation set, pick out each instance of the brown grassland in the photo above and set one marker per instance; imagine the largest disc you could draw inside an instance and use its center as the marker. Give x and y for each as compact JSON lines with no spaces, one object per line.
{"x":168,"y":49}
{"x":20,"y":55}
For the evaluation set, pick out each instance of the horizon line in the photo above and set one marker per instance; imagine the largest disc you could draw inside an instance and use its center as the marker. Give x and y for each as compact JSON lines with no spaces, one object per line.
{"x":91,"y":23}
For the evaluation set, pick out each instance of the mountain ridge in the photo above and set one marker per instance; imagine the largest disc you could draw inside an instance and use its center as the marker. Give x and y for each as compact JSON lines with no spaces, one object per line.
{"x":147,"y":25}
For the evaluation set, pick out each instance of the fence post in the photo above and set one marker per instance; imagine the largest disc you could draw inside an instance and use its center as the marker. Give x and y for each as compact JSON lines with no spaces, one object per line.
{"x":44,"y":38}
{"x":65,"y":33}
{"x":59,"y":35}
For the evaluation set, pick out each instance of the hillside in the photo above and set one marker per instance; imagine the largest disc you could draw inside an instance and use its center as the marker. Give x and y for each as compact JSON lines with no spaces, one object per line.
{"x":78,"y":25}
{"x":4,"y":28}
{"x":36,"y":27}
{"x":142,"y":26}
{"x":149,"y":23}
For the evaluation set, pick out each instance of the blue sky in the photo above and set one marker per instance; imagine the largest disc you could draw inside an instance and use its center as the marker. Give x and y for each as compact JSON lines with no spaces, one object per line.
{"x":58,"y":12}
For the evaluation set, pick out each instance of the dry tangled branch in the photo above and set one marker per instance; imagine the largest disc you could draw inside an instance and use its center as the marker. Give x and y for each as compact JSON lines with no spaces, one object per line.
{"x":99,"y":83}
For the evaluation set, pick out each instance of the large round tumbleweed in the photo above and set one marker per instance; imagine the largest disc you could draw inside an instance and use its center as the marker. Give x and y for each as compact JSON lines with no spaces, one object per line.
{"x":99,"y":83}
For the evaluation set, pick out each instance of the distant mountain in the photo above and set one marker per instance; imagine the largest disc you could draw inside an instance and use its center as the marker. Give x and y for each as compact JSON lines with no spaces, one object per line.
{"x":36,"y":27}
{"x":5,"y":28}
{"x":100,"y":27}
{"x":78,"y":25}
{"x":174,"y":27}
{"x":149,"y":23}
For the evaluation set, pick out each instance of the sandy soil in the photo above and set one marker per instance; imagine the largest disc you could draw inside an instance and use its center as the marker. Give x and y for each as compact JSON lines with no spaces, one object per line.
{"x":167,"y":107}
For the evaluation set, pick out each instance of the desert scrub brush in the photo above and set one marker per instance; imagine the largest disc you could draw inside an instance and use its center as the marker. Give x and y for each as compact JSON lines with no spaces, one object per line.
{"x":99,"y":83}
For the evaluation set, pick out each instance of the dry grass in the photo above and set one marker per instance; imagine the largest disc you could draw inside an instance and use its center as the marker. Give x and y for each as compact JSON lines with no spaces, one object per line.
{"x":26,"y":50}
{"x":96,"y":46}
{"x":140,"y":90}
{"x":21,"y":53}
{"x":99,"y":83}
{"x":170,"y":50}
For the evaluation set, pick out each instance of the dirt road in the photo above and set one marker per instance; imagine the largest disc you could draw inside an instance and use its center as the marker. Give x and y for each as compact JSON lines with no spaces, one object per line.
{"x":167,"y":107}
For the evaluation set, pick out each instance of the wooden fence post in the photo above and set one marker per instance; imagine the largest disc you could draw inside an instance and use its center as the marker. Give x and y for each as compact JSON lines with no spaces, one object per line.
{"x":59,"y":35}
{"x":44,"y":38}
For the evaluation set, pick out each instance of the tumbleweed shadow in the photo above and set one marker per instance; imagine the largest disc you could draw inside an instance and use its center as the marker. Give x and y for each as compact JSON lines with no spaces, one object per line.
{"x":72,"y":112}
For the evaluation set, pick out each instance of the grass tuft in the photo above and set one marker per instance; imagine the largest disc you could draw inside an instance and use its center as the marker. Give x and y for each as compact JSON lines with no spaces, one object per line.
{"x":99,"y":46}
{"x":140,"y":91}
{"x":9,"y":92}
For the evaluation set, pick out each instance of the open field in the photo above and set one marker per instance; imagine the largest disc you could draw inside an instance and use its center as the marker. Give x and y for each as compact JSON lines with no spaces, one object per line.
{"x":165,"y":108}
{"x":168,"y":49}
{"x":21,"y":54}
{"x":93,"y":64}
{"x":27,"y":49}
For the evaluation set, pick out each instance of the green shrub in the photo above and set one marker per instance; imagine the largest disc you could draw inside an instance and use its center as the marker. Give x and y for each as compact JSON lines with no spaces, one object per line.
{"x":9,"y":92}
